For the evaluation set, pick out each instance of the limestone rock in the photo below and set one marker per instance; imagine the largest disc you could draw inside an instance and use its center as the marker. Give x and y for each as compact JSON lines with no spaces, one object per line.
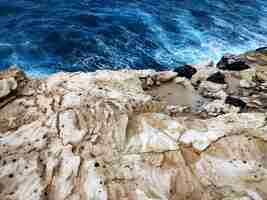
{"x":174,"y":110}
{"x":152,"y":133}
{"x":202,"y":75}
{"x":6,"y":86}
{"x":99,"y":135}
{"x":218,"y":107}
{"x":212,"y":90}
{"x":165,"y":76}
{"x":261,"y":76}
{"x":248,"y":74}
{"x":247,"y":84}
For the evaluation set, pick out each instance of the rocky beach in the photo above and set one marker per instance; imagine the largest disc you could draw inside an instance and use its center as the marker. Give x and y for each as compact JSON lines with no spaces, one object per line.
{"x":198,"y":132}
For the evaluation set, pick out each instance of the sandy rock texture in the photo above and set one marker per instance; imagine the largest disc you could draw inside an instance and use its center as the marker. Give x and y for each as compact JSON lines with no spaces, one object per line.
{"x":113,"y":135}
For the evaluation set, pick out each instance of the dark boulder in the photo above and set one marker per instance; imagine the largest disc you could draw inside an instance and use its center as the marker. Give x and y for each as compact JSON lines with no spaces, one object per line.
{"x":218,"y":77}
{"x":262,"y":49}
{"x":235,"y":102}
{"x":232,"y":62}
{"x":186,"y":71}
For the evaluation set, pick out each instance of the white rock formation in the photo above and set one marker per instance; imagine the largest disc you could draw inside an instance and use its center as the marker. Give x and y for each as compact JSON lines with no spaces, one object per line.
{"x":6,"y":86}
{"x":100,"y":136}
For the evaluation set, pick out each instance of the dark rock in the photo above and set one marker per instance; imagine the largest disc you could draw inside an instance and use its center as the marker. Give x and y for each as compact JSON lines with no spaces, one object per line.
{"x":263,"y":101}
{"x":186,"y":71}
{"x":262,"y":49}
{"x":218,"y":77}
{"x":235,"y":102}
{"x":232,"y":62}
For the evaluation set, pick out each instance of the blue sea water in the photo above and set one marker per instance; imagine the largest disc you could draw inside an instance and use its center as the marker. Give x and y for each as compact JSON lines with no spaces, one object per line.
{"x":47,"y":36}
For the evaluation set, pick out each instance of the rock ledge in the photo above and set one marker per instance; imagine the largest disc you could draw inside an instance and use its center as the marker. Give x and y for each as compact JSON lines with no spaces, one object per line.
{"x":137,"y":135}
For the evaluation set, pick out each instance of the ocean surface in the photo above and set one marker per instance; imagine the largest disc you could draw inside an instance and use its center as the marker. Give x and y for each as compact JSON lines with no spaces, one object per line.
{"x":47,"y":36}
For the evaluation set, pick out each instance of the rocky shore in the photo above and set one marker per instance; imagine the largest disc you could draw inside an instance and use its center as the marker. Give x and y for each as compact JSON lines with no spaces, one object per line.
{"x":196,"y":133}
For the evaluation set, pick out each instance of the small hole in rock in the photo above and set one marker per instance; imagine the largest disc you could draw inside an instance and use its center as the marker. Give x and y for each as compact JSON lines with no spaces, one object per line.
{"x":10,"y":176}
{"x":97,"y":164}
{"x":93,"y":155}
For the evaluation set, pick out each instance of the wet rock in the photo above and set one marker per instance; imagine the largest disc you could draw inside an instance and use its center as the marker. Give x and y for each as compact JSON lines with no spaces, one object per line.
{"x":218,"y":77}
{"x":186,"y":71}
{"x":261,"y":49}
{"x":235,"y":102}
{"x":232,"y":62}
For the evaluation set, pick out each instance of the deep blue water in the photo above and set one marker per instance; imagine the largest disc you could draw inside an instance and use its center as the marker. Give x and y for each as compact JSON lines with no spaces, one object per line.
{"x":46,"y":36}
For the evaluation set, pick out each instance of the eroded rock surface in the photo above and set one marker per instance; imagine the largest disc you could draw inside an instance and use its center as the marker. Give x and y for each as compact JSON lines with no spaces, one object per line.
{"x":103,"y":136}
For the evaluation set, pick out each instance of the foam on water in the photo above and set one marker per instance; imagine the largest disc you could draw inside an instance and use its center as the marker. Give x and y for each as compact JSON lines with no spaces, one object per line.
{"x":47,"y":36}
